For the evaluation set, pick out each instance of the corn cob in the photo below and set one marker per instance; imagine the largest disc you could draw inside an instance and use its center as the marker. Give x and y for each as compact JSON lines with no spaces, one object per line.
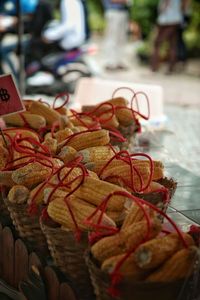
{"x":88,"y":139}
{"x":18,"y":157}
{"x":35,"y":121}
{"x":62,"y":111}
{"x":6,"y":178}
{"x":178,"y":266}
{"x":128,"y":268}
{"x":118,"y":101}
{"x":154,"y":252}
{"x":136,"y":233}
{"x":51,"y":144}
{"x":96,"y":153}
{"x":59,"y":193}
{"x":66,"y":178}
{"x":18,"y":194}
{"x":108,"y":121}
{"x":158,"y":167}
{"x":4,"y":155}
{"x":24,"y":133}
{"x":109,"y":246}
{"x":136,"y":214}
{"x":94,"y":191}
{"x":67,"y":154}
{"x":59,"y":212}
{"x":50,"y":115}
{"x":125,"y":116}
{"x":61,"y":135}
{"x":31,"y":174}
{"x":124,"y":172}
{"x":117,"y":216}
{"x":84,"y":120}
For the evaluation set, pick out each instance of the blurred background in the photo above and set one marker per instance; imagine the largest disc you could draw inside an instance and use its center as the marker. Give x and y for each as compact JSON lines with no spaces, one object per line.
{"x":41,"y":64}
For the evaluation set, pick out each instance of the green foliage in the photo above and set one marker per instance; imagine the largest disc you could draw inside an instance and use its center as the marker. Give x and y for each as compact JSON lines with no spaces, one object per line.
{"x":96,"y":18}
{"x":144,"y":12}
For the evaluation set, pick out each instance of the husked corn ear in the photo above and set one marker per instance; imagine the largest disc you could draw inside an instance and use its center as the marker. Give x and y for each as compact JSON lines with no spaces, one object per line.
{"x":18,"y":194}
{"x":124,"y":172}
{"x":88,"y":139}
{"x":58,"y":193}
{"x":31,"y":174}
{"x":24,"y":133}
{"x":109,"y":246}
{"x":4,"y":155}
{"x":118,"y":101}
{"x":83,"y":121}
{"x":128,"y":268}
{"x":67,"y":175}
{"x":18,"y":157}
{"x":59,"y":212}
{"x":178,"y":266}
{"x":117,"y":216}
{"x":136,"y":233}
{"x":61,"y":135}
{"x":125,"y":116}
{"x":51,"y":144}
{"x":136,"y":214}
{"x":35,"y":121}
{"x":94,"y":191}
{"x":97,"y":166}
{"x":67,"y":154}
{"x":96,"y":153}
{"x":108,"y":121}
{"x":154,"y":252}
{"x":49,"y":114}
{"x":6,"y":178}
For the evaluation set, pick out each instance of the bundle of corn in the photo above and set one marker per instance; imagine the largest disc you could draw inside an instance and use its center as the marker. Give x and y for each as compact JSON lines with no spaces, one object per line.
{"x":137,"y":173}
{"x":116,"y":115}
{"x":142,"y":260}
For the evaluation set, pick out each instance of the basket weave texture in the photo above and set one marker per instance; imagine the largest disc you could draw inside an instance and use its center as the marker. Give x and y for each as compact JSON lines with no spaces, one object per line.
{"x":27,"y":226}
{"x":68,"y":255}
{"x":130,"y":290}
{"x":157,"y":198}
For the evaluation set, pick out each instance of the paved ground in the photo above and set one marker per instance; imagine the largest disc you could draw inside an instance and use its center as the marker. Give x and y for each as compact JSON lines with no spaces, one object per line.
{"x":181,"y":88}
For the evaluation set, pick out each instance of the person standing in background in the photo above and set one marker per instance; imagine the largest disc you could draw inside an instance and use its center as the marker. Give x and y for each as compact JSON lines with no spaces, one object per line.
{"x":169,"y":20}
{"x":116,"y":32}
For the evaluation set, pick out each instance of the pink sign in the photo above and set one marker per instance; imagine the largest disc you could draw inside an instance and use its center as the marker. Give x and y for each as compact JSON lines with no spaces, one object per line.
{"x":10,"y":101}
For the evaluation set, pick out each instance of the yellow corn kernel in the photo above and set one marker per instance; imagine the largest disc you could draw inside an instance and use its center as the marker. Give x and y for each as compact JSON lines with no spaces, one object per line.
{"x":61,"y":135}
{"x":87,"y":139}
{"x":96,"y":153}
{"x":59,"y":212}
{"x":128,"y":267}
{"x":67,"y":154}
{"x":178,"y":266}
{"x":109,"y":246}
{"x":50,"y":115}
{"x":94,"y":191}
{"x":153,"y":253}
{"x":51,"y":144}
{"x":35,"y":121}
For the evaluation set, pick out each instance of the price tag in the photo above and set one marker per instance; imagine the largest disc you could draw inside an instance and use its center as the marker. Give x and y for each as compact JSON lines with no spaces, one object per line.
{"x":10,"y":100}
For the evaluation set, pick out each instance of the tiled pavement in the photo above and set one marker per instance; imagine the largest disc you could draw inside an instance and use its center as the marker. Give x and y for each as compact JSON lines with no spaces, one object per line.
{"x":178,"y":146}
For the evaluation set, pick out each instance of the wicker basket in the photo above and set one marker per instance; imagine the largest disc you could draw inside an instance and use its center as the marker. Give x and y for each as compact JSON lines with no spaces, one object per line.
{"x":68,"y":255}
{"x":157,"y":198}
{"x":27,"y":226}
{"x":130,"y":290}
{"x":4,"y":213}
